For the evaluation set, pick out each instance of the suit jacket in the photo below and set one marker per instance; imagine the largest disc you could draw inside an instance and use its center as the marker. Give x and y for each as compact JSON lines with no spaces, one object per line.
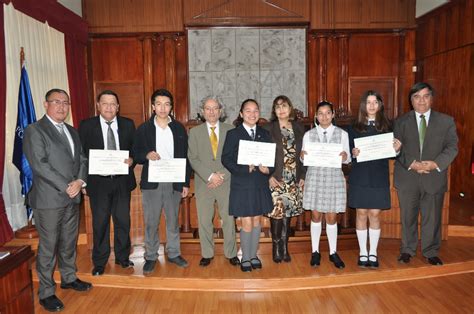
{"x":145,"y":142}
{"x":91,"y":136}
{"x":275,"y":131}
{"x":52,"y":164}
{"x":440,"y":145}
{"x":201,"y":157}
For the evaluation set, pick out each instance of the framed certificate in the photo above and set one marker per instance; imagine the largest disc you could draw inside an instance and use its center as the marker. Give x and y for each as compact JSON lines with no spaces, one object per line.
{"x":108,"y":162}
{"x":256,"y":153}
{"x":167,"y":170}
{"x":375,"y":147}
{"x":323,"y":155}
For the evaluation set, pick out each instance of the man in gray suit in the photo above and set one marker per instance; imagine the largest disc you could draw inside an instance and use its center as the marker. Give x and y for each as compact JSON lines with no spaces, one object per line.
{"x":54,"y":152}
{"x":420,"y":175}
{"x":211,"y":180}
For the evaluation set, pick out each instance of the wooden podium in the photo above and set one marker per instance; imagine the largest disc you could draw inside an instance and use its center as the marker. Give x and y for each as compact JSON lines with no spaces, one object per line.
{"x":16,"y":293}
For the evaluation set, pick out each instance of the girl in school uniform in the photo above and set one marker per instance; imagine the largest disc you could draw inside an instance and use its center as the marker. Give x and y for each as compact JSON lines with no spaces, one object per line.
{"x":369,"y":183}
{"x":325,"y":188}
{"x":250,"y":195}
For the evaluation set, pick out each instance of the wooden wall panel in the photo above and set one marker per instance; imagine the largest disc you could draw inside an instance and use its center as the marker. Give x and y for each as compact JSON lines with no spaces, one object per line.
{"x":446,"y":28}
{"x":132,"y":16}
{"x":246,"y":12}
{"x":170,"y":70}
{"x":362,"y":14}
{"x":118,"y":65}
{"x":335,"y":61}
{"x":445,"y":59}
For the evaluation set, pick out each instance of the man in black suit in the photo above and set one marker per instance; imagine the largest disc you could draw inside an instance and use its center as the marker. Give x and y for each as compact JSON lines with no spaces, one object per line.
{"x":421,"y":172}
{"x":53,"y":150}
{"x":109,"y":194}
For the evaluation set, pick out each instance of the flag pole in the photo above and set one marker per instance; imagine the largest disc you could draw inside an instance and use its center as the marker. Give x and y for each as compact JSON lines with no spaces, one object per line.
{"x":28,"y":232}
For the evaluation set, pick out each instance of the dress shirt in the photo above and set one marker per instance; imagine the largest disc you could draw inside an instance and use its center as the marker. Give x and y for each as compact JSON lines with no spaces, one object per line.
{"x":164,"y":141}
{"x":216,"y":130}
{"x":105,"y":127}
{"x":418,"y":119}
{"x":66,"y":131}
{"x":247,"y":128}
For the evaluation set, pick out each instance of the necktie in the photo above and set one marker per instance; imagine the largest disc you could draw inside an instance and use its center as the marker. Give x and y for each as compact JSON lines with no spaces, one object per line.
{"x":60,"y":127}
{"x":372,"y":123}
{"x":110,"y":137}
{"x":214,"y":141}
{"x":325,"y":138}
{"x":422,"y":130}
{"x":252,"y":134}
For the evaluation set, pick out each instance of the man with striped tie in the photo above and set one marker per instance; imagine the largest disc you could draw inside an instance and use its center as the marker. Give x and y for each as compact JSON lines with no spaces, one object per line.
{"x":109,"y":195}
{"x":212,"y":181}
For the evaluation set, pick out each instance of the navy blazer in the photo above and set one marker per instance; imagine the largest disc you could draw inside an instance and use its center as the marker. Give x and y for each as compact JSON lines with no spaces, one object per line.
{"x":145,"y":142}
{"x":91,"y":136}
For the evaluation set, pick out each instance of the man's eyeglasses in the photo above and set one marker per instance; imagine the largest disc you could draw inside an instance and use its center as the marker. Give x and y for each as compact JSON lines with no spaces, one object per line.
{"x":57,"y":102}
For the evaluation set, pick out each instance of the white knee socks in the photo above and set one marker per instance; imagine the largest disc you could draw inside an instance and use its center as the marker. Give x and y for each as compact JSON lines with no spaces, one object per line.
{"x":331,"y":231}
{"x":315,"y":235}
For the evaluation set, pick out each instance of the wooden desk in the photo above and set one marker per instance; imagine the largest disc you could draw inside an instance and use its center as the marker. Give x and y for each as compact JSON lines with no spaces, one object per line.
{"x":16,"y":288}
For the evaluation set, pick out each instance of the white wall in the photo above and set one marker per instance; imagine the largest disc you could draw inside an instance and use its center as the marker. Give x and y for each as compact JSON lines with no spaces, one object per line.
{"x":73,"y":5}
{"x":425,"y":6}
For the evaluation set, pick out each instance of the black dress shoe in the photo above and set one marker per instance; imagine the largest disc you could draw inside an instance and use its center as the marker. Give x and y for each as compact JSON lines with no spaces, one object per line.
{"x":234,"y":261}
{"x":363,"y":263}
{"x":256,"y":263}
{"x":52,"y":304}
{"x":205,"y":261}
{"x":77,"y":285}
{"x":98,"y":270}
{"x":435,"y":260}
{"x":125,"y":264}
{"x":245,"y":266}
{"x":404,"y":258}
{"x":149,"y":267}
{"x":315,"y":259}
{"x":337,"y":261}
{"x":374,"y":262}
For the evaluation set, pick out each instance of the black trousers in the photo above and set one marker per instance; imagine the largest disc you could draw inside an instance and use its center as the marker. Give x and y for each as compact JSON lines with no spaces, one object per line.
{"x":111,"y":199}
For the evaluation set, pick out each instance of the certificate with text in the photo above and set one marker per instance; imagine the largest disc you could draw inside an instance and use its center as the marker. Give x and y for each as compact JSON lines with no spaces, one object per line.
{"x":375,"y":147}
{"x":323,"y":155}
{"x":108,"y":162}
{"x":167,"y":170}
{"x":256,"y":153}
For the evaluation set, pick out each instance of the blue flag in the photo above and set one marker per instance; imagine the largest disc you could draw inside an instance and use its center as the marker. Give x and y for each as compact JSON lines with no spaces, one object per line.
{"x":26,"y":115}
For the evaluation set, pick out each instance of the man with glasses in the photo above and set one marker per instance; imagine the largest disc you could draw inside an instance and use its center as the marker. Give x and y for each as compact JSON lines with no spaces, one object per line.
{"x":54,"y":152}
{"x":212,"y":181}
{"x":420,"y":174}
{"x":109,"y":194}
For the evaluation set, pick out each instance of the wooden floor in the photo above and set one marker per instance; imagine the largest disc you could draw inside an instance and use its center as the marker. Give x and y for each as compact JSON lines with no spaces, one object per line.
{"x":447,"y":294}
{"x":283,"y":288}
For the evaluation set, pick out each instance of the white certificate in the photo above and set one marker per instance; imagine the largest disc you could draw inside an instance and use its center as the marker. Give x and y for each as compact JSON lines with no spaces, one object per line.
{"x":375,"y":147}
{"x":256,"y":153}
{"x":167,"y":170}
{"x":108,"y":162}
{"x":323,"y":155}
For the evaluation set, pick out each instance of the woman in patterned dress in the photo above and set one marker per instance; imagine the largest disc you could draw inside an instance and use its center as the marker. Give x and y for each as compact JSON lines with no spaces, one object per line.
{"x":369,"y":183}
{"x":286,"y":182}
{"x":325,"y":188}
